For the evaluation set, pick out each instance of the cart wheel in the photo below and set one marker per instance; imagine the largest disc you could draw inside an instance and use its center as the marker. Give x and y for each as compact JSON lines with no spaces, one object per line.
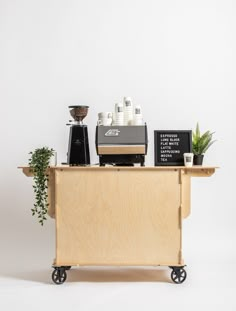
{"x":59,"y":275}
{"x":178,"y":275}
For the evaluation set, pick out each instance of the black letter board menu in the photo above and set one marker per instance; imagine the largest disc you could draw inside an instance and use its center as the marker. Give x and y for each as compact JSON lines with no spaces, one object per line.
{"x":170,"y":146}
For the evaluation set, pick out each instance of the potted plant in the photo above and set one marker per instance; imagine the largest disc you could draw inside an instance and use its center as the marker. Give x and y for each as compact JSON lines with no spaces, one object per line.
{"x":38,"y":163}
{"x":200,"y":144}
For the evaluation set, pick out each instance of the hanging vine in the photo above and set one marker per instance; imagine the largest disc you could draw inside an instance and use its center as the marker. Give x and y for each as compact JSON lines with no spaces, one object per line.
{"x":38,"y":163}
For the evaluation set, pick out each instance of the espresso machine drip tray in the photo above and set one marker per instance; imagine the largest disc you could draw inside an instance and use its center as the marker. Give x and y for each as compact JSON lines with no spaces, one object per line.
{"x":121,"y":145}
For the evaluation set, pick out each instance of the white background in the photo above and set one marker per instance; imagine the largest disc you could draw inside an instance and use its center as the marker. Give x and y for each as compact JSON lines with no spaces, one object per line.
{"x":174,"y":58}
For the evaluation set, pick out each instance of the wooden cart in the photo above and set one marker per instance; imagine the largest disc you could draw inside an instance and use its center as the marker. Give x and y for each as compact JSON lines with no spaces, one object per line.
{"x":120,"y":216}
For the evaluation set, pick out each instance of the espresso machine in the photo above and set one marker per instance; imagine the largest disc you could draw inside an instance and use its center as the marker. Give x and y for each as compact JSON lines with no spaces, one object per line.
{"x":78,"y":148}
{"x":121,"y":145}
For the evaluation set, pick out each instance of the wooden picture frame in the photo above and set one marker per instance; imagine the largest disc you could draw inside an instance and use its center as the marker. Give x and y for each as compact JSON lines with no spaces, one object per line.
{"x":169,"y":146}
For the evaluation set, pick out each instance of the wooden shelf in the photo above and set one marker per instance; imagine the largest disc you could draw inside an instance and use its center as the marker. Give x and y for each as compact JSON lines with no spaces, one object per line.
{"x":194,"y":171}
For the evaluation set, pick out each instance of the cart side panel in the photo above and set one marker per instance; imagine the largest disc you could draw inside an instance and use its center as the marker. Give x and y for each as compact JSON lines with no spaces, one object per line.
{"x":51,"y":193}
{"x":186,"y":194}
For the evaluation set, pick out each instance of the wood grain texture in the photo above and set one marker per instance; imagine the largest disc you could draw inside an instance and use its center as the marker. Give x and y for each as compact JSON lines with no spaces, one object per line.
{"x":200,"y":171}
{"x":185,"y":194}
{"x":197,"y":170}
{"x":135,"y":149}
{"x":51,"y":193}
{"x":120,"y":216}
{"x":27,"y":172}
{"x":110,"y":217}
{"x":187,"y":172}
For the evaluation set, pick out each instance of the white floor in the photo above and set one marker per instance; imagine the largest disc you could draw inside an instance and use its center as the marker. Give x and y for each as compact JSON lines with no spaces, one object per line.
{"x":27,"y":286}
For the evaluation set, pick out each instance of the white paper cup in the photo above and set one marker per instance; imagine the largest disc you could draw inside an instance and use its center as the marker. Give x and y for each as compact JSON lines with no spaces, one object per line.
{"x":188,"y":159}
{"x":119,"y":122}
{"x":137,"y":110}
{"x":104,"y":115}
{"x":119,"y":115}
{"x":113,"y":118}
{"x":119,"y":108}
{"x":138,"y":121}
{"x":127,"y":102}
{"x":105,"y":121}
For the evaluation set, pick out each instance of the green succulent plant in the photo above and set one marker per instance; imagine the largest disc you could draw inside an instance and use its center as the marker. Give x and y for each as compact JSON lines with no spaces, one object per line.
{"x":201,"y":143}
{"x":38,"y":163}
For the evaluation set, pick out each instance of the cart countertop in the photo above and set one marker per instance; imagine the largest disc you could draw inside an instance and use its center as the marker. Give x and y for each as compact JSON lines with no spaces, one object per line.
{"x":195,"y":167}
{"x":196,"y":170}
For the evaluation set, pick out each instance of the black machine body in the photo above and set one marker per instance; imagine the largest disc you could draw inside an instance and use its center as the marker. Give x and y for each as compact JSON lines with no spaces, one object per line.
{"x":78,"y":149}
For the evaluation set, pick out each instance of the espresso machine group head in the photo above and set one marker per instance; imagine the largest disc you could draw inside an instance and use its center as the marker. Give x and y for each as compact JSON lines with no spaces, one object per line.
{"x":78,"y":148}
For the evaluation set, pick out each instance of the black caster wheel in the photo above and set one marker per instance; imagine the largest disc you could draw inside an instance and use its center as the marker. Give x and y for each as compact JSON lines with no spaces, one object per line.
{"x":59,"y":275}
{"x":178,"y":275}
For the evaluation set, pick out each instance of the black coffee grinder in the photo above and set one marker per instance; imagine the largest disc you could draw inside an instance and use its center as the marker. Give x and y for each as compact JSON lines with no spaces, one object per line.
{"x":78,"y":149}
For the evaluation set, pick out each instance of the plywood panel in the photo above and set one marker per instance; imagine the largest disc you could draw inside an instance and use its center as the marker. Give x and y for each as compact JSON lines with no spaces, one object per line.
{"x":51,"y":193}
{"x":121,"y":149}
{"x":117,"y":217}
{"x":186,"y":194}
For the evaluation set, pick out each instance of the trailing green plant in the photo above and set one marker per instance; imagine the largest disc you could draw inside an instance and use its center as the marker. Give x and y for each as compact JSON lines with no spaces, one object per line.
{"x":201,"y":143}
{"x":38,"y":163}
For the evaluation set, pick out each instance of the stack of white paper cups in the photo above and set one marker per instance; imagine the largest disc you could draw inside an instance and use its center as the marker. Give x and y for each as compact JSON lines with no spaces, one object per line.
{"x":119,"y":114}
{"x":128,"y":111}
{"x":138,"y":117}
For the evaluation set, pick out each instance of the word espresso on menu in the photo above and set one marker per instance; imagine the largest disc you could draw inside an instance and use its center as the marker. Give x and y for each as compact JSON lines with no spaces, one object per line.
{"x":169,"y":144}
